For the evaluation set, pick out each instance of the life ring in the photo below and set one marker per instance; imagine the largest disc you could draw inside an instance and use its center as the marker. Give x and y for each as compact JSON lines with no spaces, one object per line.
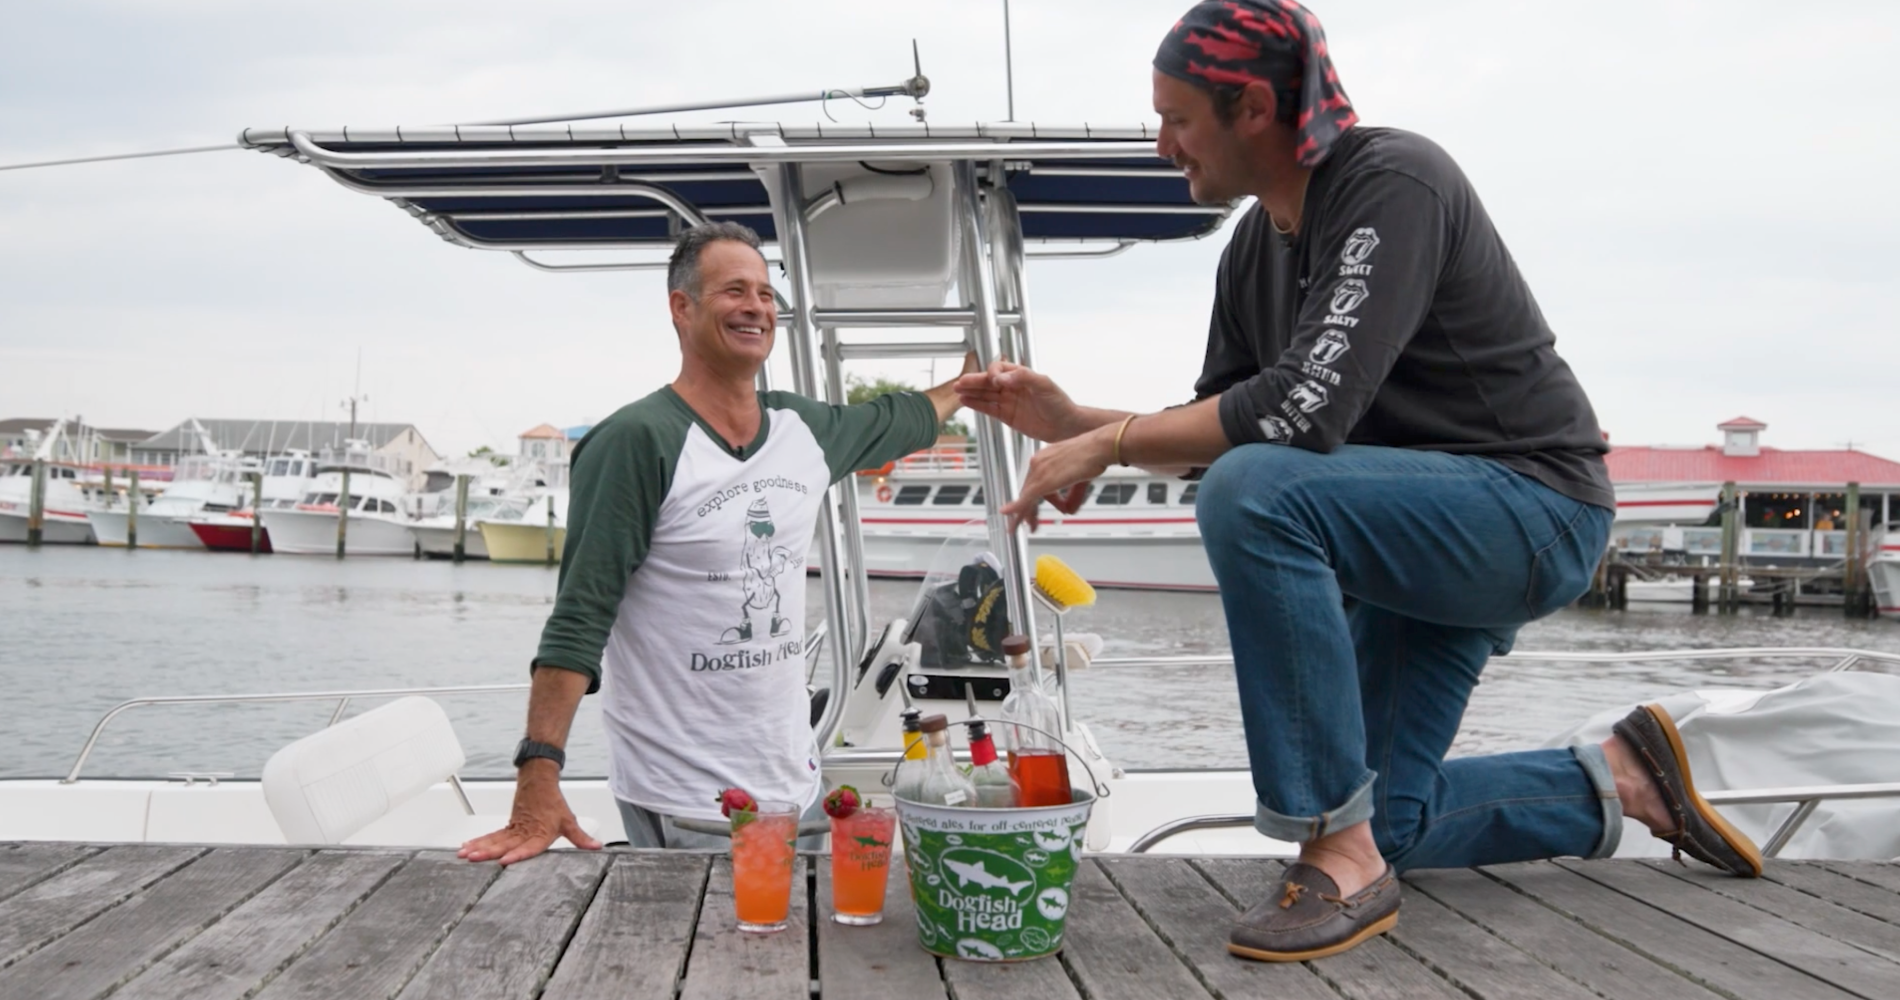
{"x":883,"y":494}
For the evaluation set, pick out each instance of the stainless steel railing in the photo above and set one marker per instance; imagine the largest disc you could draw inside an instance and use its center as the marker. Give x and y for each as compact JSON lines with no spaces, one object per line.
{"x":1806,"y":798}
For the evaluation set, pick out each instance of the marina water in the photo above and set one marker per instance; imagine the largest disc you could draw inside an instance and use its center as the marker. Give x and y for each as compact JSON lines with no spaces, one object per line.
{"x":83,"y":628}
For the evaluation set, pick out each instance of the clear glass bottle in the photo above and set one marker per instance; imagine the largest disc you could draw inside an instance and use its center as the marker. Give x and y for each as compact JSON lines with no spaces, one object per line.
{"x":995,"y":789}
{"x":941,"y":782}
{"x":1037,"y":760}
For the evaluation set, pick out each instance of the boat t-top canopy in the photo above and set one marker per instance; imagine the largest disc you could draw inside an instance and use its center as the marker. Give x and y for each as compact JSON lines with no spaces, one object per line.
{"x":874,"y":225}
{"x":614,"y":187}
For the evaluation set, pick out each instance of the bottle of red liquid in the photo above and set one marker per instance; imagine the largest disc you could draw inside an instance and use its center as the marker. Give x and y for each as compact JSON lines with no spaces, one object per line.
{"x":1036,"y":759}
{"x":995,"y":788}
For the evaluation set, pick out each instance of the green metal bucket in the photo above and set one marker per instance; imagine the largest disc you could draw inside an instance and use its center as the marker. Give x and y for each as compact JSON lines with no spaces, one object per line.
{"x":993,"y":885}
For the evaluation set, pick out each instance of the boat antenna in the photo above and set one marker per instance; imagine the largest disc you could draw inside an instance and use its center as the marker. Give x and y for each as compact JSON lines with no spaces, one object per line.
{"x":1009,"y":66}
{"x":356,"y":396}
{"x":915,"y":88}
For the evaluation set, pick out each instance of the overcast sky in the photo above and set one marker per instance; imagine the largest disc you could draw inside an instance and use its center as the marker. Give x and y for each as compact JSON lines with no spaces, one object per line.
{"x":1701,"y":194}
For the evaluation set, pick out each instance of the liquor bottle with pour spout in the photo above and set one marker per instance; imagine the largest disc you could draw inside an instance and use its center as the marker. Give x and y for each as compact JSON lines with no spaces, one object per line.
{"x":995,"y":789}
{"x":1037,"y":760}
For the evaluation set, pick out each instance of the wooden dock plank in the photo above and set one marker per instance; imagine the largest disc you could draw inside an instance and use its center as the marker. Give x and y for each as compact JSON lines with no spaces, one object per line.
{"x":374,"y":951}
{"x":729,"y":964}
{"x":1038,"y":979}
{"x":1113,"y":953}
{"x":252,"y":943}
{"x":1556,"y":939}
{"x":1471,"y":958}
{"x":1708,"y":958}
{"x":126,"y":939}
{"x":507,"y":945}
{"x":1192,"y":917}
{"x":1884,"y":874}
{"x":1843,"y":965}
{"x":43,"y":912}
{"x":880,"y":962}
{"x":1376,"y":970}
{"x":633,"y":940}
{"x":1820,"y":880}
{"x":21,"y":865}
{"x":1796,"y":907}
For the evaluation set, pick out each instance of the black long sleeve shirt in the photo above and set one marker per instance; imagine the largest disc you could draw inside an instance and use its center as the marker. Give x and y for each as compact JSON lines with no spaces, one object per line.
{"x":1396,"y":317}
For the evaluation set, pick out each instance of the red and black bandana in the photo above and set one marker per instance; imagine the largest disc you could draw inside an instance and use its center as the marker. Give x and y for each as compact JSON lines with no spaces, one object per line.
{"x":1231,"y":43}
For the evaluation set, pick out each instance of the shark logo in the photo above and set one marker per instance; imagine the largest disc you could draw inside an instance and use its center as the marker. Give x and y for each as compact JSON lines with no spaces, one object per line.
{"x":976,"y":872}
{"x":1275,"y":430}
{"x":1309,"y":396}
{"x":1052,"y":903}
{"x":1036,"y":858}
{"x":1359,"y":245}
{"x":763,"y":562}
{"x":972,"y":948}
{"x":1052,"y":840}
{"x":1035,"y":939}
{"x":1350,"y":293}
{"x":1332,"y":344}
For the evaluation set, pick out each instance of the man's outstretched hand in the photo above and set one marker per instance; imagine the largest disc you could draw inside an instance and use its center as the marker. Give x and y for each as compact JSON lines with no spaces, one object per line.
{"x":540,"y":817}
{"x":1023,"y":398}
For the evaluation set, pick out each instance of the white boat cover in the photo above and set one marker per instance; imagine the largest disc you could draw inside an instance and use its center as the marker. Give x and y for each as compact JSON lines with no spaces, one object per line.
{"x":1831,"y":729}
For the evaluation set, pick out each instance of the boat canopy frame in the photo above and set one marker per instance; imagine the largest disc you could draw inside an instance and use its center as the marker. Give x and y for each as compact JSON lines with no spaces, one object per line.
{"x":1072,"y":192}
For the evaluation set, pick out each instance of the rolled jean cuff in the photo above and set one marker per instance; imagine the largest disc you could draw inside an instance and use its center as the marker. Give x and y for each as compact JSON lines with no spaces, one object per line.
{"x":1590,"y":755}
{"x":1300,"y":829}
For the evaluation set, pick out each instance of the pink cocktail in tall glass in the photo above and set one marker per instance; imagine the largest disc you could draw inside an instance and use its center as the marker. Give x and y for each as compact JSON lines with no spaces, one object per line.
{"x":861,"y":864}
{"x":763,"y":855}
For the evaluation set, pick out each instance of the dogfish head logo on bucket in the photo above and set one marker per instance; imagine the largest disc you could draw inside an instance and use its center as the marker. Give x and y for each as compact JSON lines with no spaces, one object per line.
{"x":986,"y":890}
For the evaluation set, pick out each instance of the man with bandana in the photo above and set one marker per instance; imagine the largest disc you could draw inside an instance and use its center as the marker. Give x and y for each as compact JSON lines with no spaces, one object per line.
{"x":1398,"y":471}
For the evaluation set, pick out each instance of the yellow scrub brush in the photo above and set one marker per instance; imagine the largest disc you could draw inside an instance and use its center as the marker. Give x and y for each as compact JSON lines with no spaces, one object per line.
{"x":1060,"y":588}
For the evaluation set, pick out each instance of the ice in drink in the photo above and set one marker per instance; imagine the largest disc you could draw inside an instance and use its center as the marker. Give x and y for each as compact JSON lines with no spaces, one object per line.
{"x":762,"y":860}
{"x":861,"y":863}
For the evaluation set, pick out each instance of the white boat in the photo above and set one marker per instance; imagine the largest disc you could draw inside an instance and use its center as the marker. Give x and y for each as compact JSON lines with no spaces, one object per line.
{"x":866,"y":245}
{"x":1884,"y":573}
{"x":287,"y":479}
{"x":200,"y":486}
{"x":73,"y":489}
{"x":368,"y":510}
{"x":499,"y":494}
{"x":1134,"y":530}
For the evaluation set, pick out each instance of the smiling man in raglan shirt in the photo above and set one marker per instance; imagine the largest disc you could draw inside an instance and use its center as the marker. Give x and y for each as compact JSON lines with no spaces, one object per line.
{"x":1400,"y":472}
{"x":682,"y":589}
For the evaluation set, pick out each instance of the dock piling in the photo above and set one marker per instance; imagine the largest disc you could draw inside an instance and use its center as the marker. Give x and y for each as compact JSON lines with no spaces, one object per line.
{"x":257,"y":512}
{"x":1728,"y":599}
{"x":36,"y":504}
{"x":343,"y":515}
{"x":550,"y":530}
{"x":132,"y":497}
{"x":461,"y":517}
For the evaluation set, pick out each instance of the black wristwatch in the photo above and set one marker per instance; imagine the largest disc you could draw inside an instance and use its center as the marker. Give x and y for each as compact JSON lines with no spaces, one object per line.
{"x":529,"y":748}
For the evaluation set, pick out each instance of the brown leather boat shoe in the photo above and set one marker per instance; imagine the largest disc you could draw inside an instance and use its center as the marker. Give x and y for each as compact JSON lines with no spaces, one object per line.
{"x":1700,"y":831}
{"x":1306,"y":918}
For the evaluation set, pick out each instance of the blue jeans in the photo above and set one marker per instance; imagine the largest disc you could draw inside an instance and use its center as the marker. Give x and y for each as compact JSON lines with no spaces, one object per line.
{"x":1365,"y":590}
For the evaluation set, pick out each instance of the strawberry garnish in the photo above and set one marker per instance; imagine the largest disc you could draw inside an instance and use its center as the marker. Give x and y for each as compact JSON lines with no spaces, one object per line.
{"x":735,"y":800}
{"x":842,"y":802}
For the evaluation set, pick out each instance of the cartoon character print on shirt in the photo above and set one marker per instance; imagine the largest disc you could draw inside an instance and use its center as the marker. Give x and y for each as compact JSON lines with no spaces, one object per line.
{"x":762,"y":564}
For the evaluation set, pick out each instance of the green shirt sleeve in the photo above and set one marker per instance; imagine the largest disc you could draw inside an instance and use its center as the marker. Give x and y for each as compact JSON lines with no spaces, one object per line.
{"x":866,"y":435}
{"x":622,"y":471}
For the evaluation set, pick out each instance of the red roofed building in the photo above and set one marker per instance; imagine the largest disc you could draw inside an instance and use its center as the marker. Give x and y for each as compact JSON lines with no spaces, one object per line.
{"x":1793,"y":503}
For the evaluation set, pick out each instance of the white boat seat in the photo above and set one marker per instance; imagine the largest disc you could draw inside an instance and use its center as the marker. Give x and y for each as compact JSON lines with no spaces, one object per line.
{"x":328,"y":786}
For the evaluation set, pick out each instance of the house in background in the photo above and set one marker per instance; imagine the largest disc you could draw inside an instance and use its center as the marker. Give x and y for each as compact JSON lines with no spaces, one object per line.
{"x":1792,"y":503}
{"x":20,"y":436}
{"x":271,"y":437}
{"x":546,"y":443}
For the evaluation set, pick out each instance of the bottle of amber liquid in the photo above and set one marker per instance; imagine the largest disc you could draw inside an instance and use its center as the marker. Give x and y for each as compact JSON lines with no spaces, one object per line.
{"x":1036,"y":760}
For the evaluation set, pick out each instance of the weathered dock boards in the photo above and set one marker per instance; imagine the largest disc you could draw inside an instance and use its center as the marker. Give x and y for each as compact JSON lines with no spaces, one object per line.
{"x":79,"y":922}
